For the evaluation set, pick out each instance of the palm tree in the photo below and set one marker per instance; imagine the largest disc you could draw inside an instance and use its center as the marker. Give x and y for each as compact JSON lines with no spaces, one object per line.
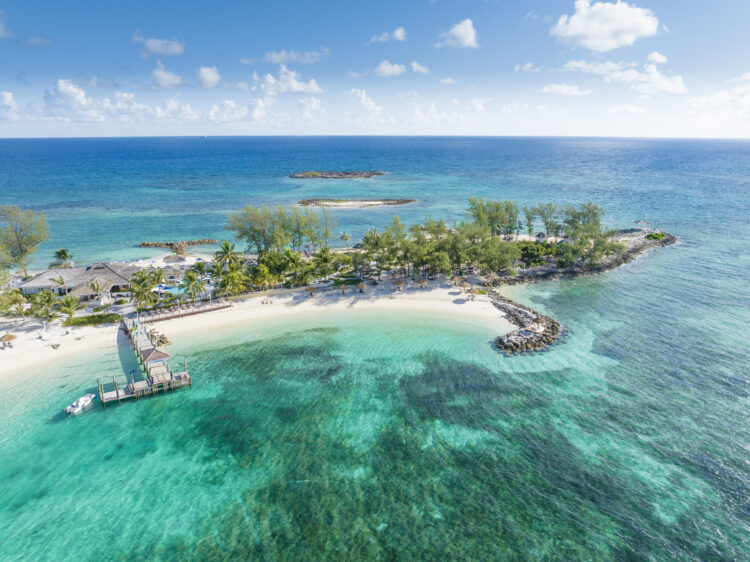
{"x":200,"y":268}
{"x":346,"y":237}
{"x":324,"y":261}
{"x":233,"y":281}
{"x":157,"y":278}
{"x":15,"y":298}
{"x":60,"y":282}
{"x":96,"y":286}
{"x":142,"y":285}
{"x":263,"y":277}
{"x":68,"y":305}
{"x":42,"y":307}
{"x":226,"y":255}
{"x":64,"y":257}
{"x":293,"y":259}
{"x":193,"y":285}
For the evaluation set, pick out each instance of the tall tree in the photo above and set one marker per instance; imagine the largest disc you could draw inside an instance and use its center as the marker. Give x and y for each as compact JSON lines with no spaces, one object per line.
{"x":21,"y":233}
{"x":68,"y":305}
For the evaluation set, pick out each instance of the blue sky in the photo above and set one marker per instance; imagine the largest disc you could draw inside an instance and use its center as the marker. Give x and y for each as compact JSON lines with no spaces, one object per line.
{"x":556,"y":67}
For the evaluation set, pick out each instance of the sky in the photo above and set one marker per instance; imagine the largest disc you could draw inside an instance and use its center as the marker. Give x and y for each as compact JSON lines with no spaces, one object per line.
{"x":646,"y":68}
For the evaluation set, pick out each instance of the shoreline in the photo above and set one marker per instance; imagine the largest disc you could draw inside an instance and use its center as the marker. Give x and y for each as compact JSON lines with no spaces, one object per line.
{"x":30,"y":352}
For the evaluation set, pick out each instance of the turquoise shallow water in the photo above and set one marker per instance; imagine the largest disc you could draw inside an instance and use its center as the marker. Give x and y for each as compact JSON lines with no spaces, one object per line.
{"x":400,"y":435}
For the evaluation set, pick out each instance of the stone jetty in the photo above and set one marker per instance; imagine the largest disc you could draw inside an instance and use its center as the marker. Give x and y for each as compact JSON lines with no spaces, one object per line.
{"x":535,"y":331}
{"x":328,"y":175}
{"x":179,"y":246}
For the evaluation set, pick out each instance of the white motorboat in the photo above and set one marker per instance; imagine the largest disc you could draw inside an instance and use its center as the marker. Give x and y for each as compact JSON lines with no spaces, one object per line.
{"x":79,"y":405}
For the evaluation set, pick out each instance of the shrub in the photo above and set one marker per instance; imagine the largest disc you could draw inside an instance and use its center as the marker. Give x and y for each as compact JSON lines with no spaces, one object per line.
{"x":121,"y":301}
{"x":655,"y":236}
{"x":93,"y":320}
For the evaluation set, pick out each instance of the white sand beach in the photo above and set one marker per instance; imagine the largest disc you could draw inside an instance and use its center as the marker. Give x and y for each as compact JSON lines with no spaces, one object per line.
{"x":30,"y":351}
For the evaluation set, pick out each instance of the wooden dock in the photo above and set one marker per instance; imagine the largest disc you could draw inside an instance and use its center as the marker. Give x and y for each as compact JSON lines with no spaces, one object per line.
{"x":181,"y":311}
{"x":153,"y":359}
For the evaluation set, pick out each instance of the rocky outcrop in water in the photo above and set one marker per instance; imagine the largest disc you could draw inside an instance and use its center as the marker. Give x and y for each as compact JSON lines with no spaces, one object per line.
{"x":353,"y":202}
{"x":535,"y":331}
{"x":179,"y":246}
{"x":317,"y":174}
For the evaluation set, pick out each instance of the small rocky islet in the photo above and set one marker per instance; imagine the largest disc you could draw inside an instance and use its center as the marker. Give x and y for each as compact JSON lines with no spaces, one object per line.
{"x":329,"y":175}
{"x":349,"y":203}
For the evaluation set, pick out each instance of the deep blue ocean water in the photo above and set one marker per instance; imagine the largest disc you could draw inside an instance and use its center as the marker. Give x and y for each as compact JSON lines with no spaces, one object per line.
{"x":382,"y":435}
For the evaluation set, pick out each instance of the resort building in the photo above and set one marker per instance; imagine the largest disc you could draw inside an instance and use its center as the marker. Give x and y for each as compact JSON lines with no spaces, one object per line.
{"x":78,"y":281}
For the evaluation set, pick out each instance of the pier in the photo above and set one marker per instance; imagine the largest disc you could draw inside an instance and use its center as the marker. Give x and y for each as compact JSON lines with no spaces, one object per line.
{"x":185,"y":310}
{"x":159,"y":375}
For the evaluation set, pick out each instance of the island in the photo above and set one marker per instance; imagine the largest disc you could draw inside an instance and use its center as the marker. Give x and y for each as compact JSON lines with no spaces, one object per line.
{"x":351,"y":203}
{"x":328,"y":175}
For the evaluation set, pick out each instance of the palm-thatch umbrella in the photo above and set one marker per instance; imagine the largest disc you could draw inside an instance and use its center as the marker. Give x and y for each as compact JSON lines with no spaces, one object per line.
{"x":8,"y":338}
{"x":342,"y":288}
{"x":455,"y":279}
{"x":473,"y":292}
{"x":398,"y":284}
{"x":465,"y":285}
{"x":311,"y":289}
{"x":421,"y":282}
{"x":361,"y":286}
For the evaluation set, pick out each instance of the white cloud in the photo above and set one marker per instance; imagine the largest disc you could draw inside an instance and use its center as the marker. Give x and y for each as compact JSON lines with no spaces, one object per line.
{"x":165,"y":79}
{"x":387,"y":69}
{"x":355,"y":74}
{"x":283,"y":56}
{"x":478,"y":104}
{"x":447,"y":81}
{"x":398,"y":34}
{"x":742,"y":78}
{"x":208,"y":76}
{"x":724,"y":107}
{"x":603,"y":26}
{"x":462,"y":35}
{"x":656,"y":58}
{"x":626,"y":108}
{"x":33,"y":41}
{"x":650,"y":81}
{"x":288,"y":82}
{"x":69,"y":102}
{"x":246,"y":60}
{"x":419,"y":68}
{"x":372,"y":108}
{"x":564,"y":90}
{"x":429,"y":114}
{"x":159,"y":46}
{"x":228,"y":112}
{"x":8,"y":106}
{"x":4,"y":31}
{"x":528,"y":67}
{"x":310,"y":107}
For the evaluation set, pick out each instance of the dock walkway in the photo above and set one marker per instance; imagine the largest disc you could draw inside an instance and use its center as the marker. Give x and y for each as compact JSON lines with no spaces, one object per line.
{"x":159,"y":375}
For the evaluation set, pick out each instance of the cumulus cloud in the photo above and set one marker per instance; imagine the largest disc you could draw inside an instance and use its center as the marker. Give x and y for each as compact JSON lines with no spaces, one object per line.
{"x":8,"y":106}
{"x":461,"y":35}
{"x":656,"y":58}
{"x":387,"y":69}
{"x":165,"y":79}
{"x":742,"y":78}
{"x":604,"y":26}
{"x":564,"y":90}
{"x":372,"y":108}
{"x":67,"y":101}
{"x":429,"y":114}
{"x":419,"y":68}
{"x":246,"y":60}
{"x":208,"y":76}
{"x":288,"y":81}
{"x":283,"y":56}
{"x":152,"y":46}
{"x":730,"y":106}
{"x":650,"y":81}
{"x":478,"y":104}
{"x":398,"y":34}
{"x":626,"y":108}
{"x":447,"y":81}
{"x":528,"y":67}
{"x":228,"y":112}
{"x":310,"y":107}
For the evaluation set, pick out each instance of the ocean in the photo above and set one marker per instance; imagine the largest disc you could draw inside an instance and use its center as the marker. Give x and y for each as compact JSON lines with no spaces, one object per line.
{"x":364,"y":436}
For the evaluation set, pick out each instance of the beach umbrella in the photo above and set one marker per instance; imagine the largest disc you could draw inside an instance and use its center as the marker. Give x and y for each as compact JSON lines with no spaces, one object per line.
{"x":455,"y":279}
{"x":8,"y":337}
{"x":311,"y":290}
{"x":465,"y":285}
{"x":422,"y":283}
{"x":398,"y":284}
{"x":361,"y":287}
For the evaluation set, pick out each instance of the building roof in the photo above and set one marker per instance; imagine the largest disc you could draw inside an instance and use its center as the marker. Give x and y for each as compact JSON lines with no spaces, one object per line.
{"x":108,"y":274}
{"x":154,"y":354}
